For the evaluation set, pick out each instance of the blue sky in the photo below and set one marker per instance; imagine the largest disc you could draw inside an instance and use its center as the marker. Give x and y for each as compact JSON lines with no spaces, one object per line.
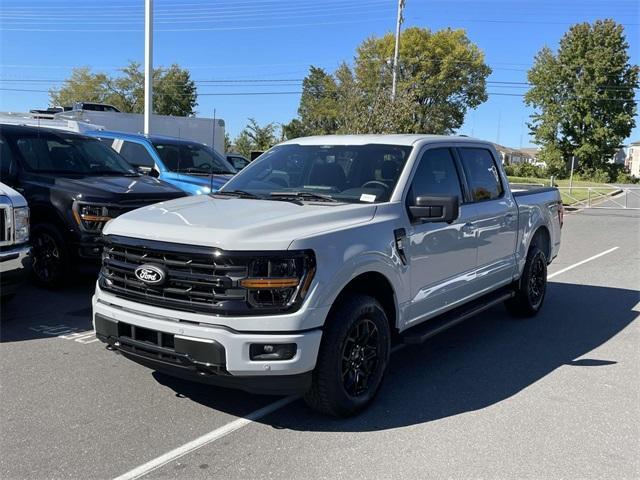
{"x":271,"y":43}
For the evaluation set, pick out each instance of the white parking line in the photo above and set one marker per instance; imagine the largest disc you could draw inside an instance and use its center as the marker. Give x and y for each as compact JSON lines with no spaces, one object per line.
{"x":571,"y":267}
{"x":205,"y":439}
{"x":260,"y":413}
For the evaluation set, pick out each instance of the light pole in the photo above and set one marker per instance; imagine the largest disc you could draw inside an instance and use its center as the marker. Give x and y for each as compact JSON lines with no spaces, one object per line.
{"x":397,"y":48}
{"x":148,"y":65}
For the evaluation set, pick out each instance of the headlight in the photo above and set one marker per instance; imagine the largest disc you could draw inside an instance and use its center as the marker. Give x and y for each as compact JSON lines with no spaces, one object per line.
{"x":90,"y":217}
{"x":279,"y":282}
{"x":21,"y":224}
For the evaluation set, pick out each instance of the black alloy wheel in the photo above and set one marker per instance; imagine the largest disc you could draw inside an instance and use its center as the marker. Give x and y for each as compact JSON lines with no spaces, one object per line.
{"x":353,"y":357}
{"x":532,"y":288}
{"x":537,"y":280}
{"x":49,"y":264}
{"x":360,"y":357}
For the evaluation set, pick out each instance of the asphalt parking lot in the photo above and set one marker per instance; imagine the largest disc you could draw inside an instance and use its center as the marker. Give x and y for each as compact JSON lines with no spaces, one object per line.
{"x":557,"y":396}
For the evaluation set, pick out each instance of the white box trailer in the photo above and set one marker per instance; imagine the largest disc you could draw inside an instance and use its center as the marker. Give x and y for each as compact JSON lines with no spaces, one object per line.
{"x":203,"y":130}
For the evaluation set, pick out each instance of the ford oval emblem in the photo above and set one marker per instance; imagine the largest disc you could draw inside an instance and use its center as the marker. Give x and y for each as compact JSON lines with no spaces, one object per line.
{"x":150,"y":274}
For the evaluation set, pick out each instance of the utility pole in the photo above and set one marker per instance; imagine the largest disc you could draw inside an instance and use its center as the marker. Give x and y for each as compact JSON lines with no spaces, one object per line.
{"x":399,"y":21}
{"x":148,"y":65}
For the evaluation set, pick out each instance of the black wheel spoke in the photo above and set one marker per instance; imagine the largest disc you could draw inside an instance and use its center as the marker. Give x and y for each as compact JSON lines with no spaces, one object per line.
{"x":360,"y":357}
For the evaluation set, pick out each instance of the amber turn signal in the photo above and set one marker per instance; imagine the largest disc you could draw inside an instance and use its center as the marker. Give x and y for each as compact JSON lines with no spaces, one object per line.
{"x":269,"y":282}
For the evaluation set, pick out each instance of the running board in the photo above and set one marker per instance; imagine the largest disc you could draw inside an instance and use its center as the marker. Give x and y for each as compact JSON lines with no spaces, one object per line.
{"x":429,"y":328}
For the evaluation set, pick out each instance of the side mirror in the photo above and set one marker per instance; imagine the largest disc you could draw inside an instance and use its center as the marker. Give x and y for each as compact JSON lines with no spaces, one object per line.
{"x":435,"y":209}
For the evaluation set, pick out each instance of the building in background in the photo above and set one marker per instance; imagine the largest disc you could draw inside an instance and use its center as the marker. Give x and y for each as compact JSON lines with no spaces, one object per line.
{"x":618,"y":158}
{"x":514,"y":156}
{"x":632,"y":162}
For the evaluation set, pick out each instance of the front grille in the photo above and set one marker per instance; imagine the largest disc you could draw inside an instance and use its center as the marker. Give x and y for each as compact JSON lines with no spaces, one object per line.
{"x":3,"y":233}
{"x":5,"y":224}
{"x":198,"y":279}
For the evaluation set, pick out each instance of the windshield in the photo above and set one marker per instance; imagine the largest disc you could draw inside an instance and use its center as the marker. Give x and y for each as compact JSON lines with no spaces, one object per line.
{"x":192,"y":158}
{"x":360,"y":173}
{"x":66,"y":154}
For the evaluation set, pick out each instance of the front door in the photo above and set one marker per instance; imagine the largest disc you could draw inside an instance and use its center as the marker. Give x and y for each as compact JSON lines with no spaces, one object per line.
{"x":442,"y":256}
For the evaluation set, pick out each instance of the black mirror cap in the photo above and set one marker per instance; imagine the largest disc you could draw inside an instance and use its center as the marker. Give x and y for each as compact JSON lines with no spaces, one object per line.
{"x":435,"y":208}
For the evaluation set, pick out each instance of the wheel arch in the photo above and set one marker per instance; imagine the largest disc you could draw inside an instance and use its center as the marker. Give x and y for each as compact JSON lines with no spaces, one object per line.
{"x":376,"y":285}
{"x":542,"y":239}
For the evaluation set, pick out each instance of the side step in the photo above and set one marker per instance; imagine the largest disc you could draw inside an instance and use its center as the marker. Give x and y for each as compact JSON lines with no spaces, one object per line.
{"x":429,"y":328}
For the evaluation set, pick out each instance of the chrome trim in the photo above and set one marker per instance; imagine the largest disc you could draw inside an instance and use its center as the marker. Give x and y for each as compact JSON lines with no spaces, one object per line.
{"x":6,"y":235}
{"x":14,"y":259}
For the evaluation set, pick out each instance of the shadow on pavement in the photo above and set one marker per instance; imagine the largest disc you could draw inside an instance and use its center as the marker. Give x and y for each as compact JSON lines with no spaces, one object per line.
{"x":475,"y":365}
{"x":40,"y":313}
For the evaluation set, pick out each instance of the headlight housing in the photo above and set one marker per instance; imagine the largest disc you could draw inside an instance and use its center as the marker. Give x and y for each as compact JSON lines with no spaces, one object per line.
{"x":279,"y":281}
{"x":90,"y":218}
{"x":21,"y":224}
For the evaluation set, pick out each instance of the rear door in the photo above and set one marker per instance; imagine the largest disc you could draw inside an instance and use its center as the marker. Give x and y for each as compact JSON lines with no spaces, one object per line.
{"x":442,"y":256}
{"x":495,"y":221}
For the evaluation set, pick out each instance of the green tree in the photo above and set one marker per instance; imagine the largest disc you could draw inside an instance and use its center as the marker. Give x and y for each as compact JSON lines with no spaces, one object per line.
{"x":174,"y":91}
{"x":583,"y":95}
{"x":318,"y":108}
{"x":441,"y":76}
{"x":255,"y":137}
{"x":228,"y":144}
{"x":82,"y":85}
{"x":443,"y":71}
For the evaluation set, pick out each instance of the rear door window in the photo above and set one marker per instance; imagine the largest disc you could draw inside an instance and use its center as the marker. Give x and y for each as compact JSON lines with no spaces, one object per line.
{"x":136,"y":154}
{"x":482,"y":174}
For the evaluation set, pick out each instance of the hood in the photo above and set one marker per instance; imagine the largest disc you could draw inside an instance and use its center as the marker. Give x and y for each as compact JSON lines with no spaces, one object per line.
{"x":235,"y":223}
{"x":114,"y":189}
{"x":16,"y":199}
{"x":215,"y":181}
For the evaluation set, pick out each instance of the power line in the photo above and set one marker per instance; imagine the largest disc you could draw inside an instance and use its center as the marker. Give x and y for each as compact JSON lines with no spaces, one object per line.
{"x":300,"y":92}
{"x":213,"y":29}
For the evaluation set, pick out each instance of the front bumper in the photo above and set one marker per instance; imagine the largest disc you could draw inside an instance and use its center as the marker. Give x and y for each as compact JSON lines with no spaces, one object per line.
{"x":206,"y":353}
{"x":15,"y":264}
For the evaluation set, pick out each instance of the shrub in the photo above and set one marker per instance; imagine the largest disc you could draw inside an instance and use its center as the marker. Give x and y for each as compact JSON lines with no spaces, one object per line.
{"x":525,"y":170}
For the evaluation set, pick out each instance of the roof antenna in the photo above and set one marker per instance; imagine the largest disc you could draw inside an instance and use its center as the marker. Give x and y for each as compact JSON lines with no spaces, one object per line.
{"x":213,"y":146}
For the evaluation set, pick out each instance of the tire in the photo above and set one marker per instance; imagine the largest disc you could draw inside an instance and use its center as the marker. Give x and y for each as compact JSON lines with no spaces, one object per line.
{"x":50,"y":256}
{"x":532,"y":287}
{"x":345,"y":381}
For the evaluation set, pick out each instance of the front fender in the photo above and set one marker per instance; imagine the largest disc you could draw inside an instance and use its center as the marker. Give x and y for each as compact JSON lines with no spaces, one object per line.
{"x":344,"y":255}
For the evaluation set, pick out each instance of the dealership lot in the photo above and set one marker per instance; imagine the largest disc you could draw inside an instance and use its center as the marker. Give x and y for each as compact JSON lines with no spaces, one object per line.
{"x":555,"y":396}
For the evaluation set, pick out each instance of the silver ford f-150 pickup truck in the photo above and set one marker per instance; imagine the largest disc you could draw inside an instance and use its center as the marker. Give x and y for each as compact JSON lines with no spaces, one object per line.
{"x":297,"y":275}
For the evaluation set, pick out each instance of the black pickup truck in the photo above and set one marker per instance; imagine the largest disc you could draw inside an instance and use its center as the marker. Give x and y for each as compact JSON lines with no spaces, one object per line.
{"x":74,"y":184}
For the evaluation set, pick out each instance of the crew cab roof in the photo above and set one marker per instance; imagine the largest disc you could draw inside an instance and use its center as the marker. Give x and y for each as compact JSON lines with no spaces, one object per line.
{"x":391,"y":139}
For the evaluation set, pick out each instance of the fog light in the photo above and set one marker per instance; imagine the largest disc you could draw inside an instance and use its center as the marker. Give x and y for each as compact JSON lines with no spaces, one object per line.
{"x":271,"y":351}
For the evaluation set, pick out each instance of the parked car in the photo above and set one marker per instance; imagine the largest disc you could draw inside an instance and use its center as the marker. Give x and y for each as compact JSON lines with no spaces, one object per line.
{"x":296,"y":275}
{"x":193,"y":167}
{"x":95,"y":107}
{"x":238,"y":161}
{"x":74,"y":184}
{"x":15,"y":253}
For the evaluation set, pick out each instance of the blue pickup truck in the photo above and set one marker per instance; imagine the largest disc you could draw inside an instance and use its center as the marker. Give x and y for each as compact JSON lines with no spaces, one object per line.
{"x":193,"y":167}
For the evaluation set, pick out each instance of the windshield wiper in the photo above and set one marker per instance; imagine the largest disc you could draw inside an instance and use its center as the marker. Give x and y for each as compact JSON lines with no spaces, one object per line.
{"x":303,"y":196}
{"x":239,"y":194}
